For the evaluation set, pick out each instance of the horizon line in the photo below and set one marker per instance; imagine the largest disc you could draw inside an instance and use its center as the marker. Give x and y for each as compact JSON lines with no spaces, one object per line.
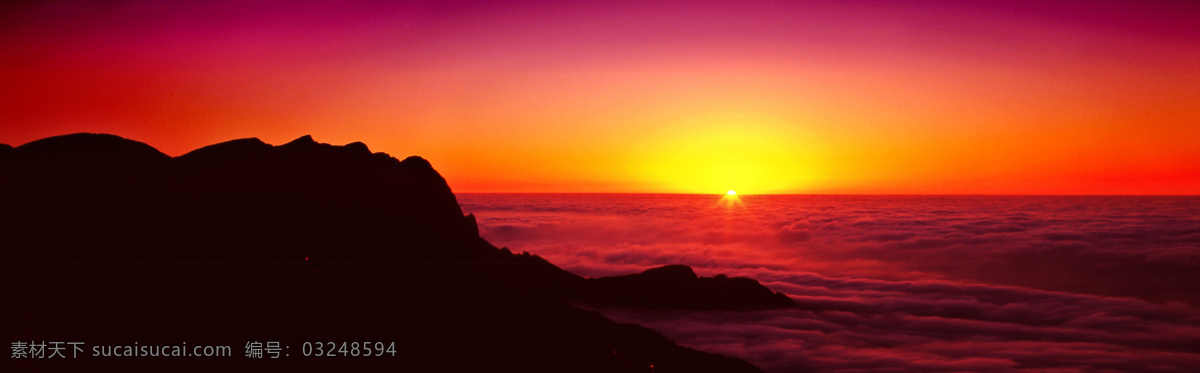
{"x":856,"y":194}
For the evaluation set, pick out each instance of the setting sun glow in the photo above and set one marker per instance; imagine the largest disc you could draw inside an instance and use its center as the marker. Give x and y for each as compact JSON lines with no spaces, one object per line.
{"x":730,"y":200}
{"x":704,"y":151}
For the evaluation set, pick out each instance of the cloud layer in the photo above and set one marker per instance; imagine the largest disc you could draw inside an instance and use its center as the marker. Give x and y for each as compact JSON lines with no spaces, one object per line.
{"x":901,"y":283}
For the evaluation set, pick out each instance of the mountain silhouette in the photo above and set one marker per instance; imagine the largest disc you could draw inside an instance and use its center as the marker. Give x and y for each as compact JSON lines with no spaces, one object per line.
{"x":677,"y":286}
{"x":115,"y":242}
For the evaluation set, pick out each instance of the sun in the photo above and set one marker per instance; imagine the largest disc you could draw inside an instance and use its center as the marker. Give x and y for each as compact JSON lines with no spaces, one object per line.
{"x":730,"y":200}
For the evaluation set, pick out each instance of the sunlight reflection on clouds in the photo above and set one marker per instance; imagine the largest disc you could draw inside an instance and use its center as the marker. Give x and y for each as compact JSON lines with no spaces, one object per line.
{"x":903,"y":283}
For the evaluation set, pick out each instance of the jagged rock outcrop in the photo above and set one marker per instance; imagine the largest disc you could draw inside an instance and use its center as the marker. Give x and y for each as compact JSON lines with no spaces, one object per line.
{"x":253,"y":201}
{"x":678,"y":287}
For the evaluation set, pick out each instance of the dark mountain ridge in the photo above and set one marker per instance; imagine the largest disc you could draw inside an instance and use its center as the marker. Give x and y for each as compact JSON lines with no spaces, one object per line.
{"x":678,"y":287}
{"x":302,"y":242}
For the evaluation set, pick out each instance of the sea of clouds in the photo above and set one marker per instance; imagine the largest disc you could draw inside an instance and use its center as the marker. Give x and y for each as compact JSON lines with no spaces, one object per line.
{"x":897,"y":283}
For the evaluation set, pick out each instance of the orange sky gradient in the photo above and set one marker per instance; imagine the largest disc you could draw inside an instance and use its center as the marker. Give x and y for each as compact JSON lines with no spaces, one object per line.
{"x":662,"y":97}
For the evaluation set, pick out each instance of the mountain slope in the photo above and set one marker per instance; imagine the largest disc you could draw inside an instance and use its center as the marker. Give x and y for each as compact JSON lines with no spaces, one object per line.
{"x":301,"y":242}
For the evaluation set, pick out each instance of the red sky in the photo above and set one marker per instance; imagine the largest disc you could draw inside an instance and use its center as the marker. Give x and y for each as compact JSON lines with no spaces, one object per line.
{"x":1085,"y":97}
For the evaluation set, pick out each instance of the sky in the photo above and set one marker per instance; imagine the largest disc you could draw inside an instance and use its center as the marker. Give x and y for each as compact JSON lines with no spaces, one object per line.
{"x":889,"y":97}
